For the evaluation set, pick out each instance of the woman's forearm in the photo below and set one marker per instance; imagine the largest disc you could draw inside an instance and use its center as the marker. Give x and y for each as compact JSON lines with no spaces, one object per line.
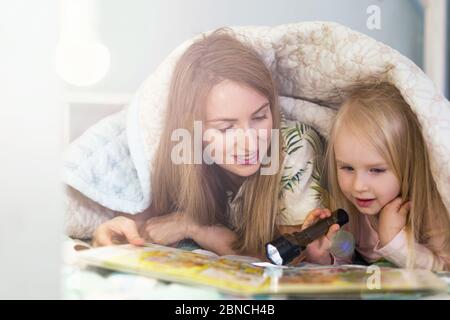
{"x":217,"y":238}
{"x":141,"y":217}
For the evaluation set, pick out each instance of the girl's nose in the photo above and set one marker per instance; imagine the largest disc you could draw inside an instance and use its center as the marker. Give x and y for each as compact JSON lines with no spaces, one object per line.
{"x":359,"y":182}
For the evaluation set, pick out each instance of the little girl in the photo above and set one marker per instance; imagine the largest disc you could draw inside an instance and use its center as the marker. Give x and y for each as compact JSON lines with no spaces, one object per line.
{"x":378,"y":169}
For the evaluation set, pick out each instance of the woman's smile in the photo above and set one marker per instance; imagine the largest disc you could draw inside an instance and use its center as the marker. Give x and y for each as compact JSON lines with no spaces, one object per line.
{"x":251,"y":158}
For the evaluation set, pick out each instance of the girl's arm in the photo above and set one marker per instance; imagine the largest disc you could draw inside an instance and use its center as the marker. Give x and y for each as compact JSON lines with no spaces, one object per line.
{"x":396,"y":251}
{"x":393,"y":244}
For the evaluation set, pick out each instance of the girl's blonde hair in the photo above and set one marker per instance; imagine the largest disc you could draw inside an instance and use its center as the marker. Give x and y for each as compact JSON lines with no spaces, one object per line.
{"x":377,"y":112}
{"x":200,"y":190}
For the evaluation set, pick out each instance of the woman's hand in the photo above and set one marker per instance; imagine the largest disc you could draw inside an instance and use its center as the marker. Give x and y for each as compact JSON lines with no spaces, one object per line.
{"x":318,"y":251}
{"x":392,"y":220}
{"x":117,"y":230}
{"x":167,"y":229}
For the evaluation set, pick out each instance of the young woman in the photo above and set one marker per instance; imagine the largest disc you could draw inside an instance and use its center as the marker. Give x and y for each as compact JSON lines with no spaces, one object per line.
{"x":269,"y":182}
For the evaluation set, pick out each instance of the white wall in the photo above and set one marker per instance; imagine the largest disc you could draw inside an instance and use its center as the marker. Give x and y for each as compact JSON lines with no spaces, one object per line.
{"x":140,"y":33}
{"x":30,"y":138}
{"x":435,"y":38}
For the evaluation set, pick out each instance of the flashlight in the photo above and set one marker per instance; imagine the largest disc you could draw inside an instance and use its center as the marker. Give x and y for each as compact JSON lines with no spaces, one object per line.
{"x":284,"y":249}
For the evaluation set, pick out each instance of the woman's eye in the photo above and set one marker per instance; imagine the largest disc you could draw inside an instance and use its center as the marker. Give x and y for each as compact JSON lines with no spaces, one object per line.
{"x":261,"y":117}
{"x":346,"y":168}
{"x":224,"y":129}
{"x":377,"y":170}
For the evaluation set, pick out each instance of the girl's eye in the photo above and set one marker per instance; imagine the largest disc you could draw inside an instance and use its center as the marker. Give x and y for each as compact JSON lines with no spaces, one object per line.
{"x":346,"y":168}
{"x":377,"y":170}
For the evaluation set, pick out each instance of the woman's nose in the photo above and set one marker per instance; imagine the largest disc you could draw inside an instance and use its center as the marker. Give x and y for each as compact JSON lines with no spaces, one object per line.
{"x":248,"y":140}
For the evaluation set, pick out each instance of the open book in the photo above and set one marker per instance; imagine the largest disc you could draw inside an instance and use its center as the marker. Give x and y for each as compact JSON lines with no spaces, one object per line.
{"x":248,"y":278}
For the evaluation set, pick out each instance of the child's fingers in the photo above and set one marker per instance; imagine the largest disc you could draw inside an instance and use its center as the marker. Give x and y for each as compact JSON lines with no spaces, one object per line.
{"x":325,"y":242}
{"x":332,"y":231}
{"x":316,"y":212}
{"x":325,"y":213}
{"x":312,"y":217}
{"x":404,"y":209}
{"x":395,"y":204}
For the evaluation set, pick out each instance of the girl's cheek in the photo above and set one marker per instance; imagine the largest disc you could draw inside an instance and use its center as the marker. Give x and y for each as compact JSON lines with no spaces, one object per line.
{"x":389,"y":188}
{"x":344,"y":183}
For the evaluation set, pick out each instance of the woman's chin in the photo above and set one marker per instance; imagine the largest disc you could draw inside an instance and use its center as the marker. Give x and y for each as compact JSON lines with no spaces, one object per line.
{"x":244,"y":170}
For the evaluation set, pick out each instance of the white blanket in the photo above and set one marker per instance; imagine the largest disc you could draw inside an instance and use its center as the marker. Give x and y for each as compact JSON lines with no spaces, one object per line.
{"x":311,"y":62}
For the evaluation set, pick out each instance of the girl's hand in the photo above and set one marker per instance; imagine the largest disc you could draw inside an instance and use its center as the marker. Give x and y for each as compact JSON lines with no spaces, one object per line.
{"x":392,"y":220}
{"x":167,"y":229}
{"x":117,"y":230}
{"x":318,"y":251}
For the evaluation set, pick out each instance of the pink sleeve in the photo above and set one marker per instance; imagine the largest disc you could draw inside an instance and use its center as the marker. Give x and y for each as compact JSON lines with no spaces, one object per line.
{"x":396,"y":252}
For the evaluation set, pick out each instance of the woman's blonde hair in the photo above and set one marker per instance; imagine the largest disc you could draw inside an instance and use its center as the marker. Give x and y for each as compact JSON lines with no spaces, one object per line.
{"x":200,"y":190}
{"x":377,"y":112}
